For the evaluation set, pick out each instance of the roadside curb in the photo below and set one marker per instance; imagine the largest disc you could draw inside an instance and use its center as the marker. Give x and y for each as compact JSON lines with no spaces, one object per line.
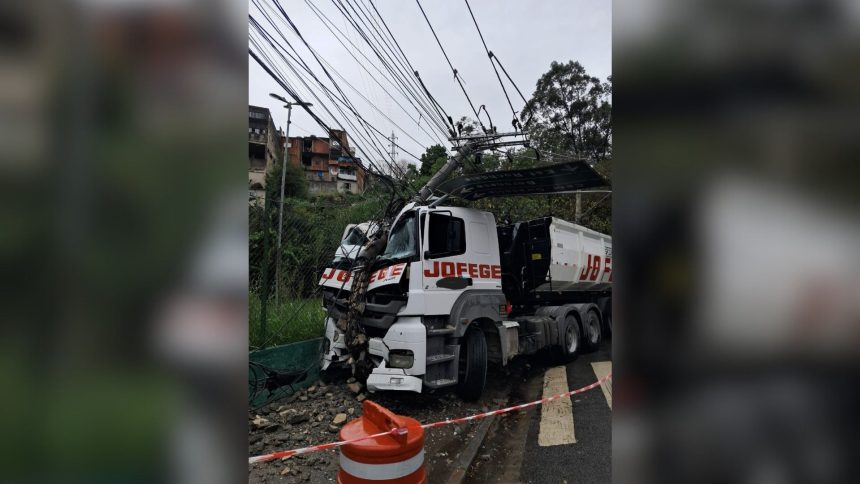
{"x":470,"y":452}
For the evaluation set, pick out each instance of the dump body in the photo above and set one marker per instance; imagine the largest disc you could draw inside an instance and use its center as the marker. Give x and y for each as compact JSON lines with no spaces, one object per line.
{"x":549,"y":259}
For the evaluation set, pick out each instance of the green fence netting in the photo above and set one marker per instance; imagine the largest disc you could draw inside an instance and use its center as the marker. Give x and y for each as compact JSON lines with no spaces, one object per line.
{"x":280,"y":371}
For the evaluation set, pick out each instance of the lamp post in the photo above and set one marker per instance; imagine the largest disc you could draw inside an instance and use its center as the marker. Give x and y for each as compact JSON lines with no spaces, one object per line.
{"x":289,"y":105}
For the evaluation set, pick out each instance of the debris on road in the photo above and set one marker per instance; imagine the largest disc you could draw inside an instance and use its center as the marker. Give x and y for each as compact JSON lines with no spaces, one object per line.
{"x":295,"y":422}
{"x":260,"y":422}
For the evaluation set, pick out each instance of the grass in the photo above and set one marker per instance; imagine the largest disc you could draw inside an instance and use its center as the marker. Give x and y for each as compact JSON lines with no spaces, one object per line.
{"x":288,"y":322}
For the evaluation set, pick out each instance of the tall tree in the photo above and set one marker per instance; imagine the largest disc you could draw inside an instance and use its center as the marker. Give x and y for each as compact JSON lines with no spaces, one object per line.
{"x":433,"y":159}
{"x":571,"y":111}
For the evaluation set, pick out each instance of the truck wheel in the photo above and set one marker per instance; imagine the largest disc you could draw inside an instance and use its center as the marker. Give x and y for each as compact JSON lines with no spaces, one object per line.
{"x":570,"y":340}
{"x":473,"y":365}
{"x":592,"y":330}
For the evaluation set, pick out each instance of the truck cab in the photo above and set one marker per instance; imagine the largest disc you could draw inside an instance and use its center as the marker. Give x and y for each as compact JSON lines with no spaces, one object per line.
{"x":438,"y":303}
{"x":440,"y":271}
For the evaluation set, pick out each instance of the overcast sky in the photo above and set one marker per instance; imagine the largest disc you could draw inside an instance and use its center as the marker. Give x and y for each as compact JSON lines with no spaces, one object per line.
{"x":525,"y":35}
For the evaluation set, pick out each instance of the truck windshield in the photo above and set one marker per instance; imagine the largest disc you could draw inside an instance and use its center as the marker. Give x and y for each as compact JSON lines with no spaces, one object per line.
{"x":355,"y":237}
{"x":403,"y":242}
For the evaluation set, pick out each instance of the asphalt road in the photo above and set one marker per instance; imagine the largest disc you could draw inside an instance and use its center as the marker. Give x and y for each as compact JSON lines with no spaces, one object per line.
{"x":511,"y":451}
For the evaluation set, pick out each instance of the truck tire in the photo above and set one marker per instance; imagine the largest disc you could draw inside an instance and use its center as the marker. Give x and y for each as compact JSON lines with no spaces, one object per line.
{"x":570,"y":339}
{"x":605,"y":307}
{"x":592,"y":330}
{"x":473,"y":365}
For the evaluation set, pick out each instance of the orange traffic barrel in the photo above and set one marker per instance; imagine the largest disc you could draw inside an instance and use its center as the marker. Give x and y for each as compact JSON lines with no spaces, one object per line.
{"x":390,"y":459}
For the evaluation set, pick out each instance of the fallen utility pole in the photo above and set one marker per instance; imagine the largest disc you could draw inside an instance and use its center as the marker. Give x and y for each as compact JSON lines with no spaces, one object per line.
{"x":472,"y":144}
{"x":453,"y":163}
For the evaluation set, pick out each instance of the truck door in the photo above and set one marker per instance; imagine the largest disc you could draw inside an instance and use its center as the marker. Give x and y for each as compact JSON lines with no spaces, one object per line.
{"x":459,"y":254}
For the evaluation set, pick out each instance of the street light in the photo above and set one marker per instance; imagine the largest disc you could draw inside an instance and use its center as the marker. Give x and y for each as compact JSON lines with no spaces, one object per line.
{"x":279,"y":98}
{"x":289,"y":105}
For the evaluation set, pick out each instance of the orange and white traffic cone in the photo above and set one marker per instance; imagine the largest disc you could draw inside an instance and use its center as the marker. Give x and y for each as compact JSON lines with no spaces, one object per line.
{"x":389,"y":459}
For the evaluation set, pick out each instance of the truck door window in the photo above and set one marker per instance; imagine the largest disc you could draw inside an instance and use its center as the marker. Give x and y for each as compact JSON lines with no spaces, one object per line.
{"x":446,"y":236}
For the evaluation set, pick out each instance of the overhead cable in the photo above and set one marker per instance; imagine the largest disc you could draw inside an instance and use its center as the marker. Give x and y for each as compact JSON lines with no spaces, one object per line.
{"x":456,"y":74}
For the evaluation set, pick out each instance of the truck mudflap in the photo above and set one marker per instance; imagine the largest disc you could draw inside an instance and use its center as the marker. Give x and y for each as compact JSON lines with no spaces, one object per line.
{"x":407,"y":337}
{"x":335,"y":351}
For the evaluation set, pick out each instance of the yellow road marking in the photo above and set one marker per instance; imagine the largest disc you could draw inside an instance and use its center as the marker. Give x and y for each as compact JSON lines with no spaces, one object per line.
{"x":601,"y":369}
{"x":556,"y":417}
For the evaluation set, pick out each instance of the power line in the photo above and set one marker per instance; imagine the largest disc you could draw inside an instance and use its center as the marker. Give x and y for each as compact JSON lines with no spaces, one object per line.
{"x":372,"y":91}
{"x":374,"y":78}
{"x":515,"y":122}
{"x":496,"y":58}
{"x":369,"y":140}
{"x":301,"y":128}
{"x":402,"y":60}
{"x":363,"y":123}
{"x":325,"y":20}
{"x":288,"y":89}
{"x":280,"y":80}
{"x":371,"y":104}
{"x":351,"y":108}
{"x":385,"y":59}
{"x":271,"y":41}
{"x":452,"y":130}
{"x":456,"y":74}
{"x":385,"y":45}
{"x":415,"y":71}
{"x":316,"y":57}
{"x":595,"y":205}
{"x":408,"y":65}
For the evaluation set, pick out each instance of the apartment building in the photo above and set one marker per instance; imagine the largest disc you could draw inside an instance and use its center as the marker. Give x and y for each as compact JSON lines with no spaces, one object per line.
{"x":327,"y":165}
{"x":265,"y":150}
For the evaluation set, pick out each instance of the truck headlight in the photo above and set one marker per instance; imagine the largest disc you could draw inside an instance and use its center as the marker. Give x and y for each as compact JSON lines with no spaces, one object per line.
{"x":400,"y":359}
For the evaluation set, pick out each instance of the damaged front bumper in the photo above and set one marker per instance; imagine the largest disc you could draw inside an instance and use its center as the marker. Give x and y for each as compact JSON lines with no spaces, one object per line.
{"x":408,"y":334}
{"x":335,"y":351}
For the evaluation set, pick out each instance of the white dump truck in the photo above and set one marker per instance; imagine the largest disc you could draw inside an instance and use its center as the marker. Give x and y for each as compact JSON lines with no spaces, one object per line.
{"x":453,"y":291}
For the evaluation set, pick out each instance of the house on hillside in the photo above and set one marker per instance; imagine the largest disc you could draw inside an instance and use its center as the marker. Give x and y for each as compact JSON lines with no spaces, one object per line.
{"x":327,"y":165}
